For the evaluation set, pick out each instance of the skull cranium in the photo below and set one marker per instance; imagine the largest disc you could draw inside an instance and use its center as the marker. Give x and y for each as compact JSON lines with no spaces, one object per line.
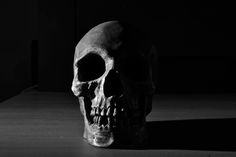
{"x":113,"y":82}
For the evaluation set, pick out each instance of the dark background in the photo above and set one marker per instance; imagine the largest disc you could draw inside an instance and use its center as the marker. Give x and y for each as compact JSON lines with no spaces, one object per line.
{"x":195,"y":42}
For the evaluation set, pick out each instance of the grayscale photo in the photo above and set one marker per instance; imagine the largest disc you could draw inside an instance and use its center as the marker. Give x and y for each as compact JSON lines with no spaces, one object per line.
{"x":117,"y":78}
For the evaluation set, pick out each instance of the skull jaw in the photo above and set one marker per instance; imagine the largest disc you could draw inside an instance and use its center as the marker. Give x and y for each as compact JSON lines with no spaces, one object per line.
{"x":97,"y":138}
{"x":128,"y":136}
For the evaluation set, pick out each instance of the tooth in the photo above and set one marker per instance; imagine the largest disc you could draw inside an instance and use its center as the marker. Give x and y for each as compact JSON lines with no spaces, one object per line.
{"x":108,"y":121}
{"x":102,"y":113}
{"x":99,"y":120}
{"x":108,"y":101}
{"x":108,"y":104}
{"x":94,"y":119}
{"x":92,"y":113}
{"x":114,"y":113}
{"x":109,"y":98}
{"x":102,"y":126}
{"x":97,"y":110}
{"x":102,"y":102}
{"x":108,"y":111}
{"x":89,"y":84}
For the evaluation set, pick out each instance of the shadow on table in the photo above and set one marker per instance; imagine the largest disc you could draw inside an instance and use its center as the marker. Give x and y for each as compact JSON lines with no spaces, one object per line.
{"x":205,"y":134}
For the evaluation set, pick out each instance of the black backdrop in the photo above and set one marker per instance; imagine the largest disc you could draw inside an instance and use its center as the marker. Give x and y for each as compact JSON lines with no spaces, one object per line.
{"x":195,"y":41}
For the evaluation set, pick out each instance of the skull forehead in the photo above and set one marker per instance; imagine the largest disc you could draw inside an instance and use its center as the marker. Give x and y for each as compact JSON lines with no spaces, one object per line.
{"x":113,"y":38}
{"x":100,"y":39}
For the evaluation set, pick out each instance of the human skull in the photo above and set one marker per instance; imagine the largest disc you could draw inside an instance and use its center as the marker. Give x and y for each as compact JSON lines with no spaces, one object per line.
{"x":113,"y":82}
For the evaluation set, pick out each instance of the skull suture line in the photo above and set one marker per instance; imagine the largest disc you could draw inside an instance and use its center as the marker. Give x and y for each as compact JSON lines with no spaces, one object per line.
{"x":113,"y":82}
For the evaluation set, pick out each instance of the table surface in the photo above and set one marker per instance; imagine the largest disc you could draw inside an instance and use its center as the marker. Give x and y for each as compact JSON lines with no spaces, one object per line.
{"x":41,"y":124}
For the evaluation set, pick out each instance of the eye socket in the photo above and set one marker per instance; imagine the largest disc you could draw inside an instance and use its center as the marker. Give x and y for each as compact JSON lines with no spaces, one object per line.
{"x":90,"y":67}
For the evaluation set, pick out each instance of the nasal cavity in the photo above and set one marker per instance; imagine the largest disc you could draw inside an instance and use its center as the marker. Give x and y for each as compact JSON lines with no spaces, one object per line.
{"x":112,"y":85}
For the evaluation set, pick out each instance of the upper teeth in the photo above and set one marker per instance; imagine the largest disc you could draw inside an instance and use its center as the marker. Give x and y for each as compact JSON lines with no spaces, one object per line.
{"x":114,"y":113}
{"x":99,"y":120}
{"x":108,"y":111}
{"x":92,"y":113}
{"x":97,"y":110}
{"x":101,"y":117}
{"x":102,"y":113}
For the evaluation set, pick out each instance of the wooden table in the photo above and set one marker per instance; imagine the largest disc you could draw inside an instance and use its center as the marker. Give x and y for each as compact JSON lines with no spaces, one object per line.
{"x":48,"y":124}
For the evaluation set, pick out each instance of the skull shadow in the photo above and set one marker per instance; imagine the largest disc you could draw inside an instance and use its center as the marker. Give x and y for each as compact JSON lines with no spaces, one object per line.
{"x":204,"y":134}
